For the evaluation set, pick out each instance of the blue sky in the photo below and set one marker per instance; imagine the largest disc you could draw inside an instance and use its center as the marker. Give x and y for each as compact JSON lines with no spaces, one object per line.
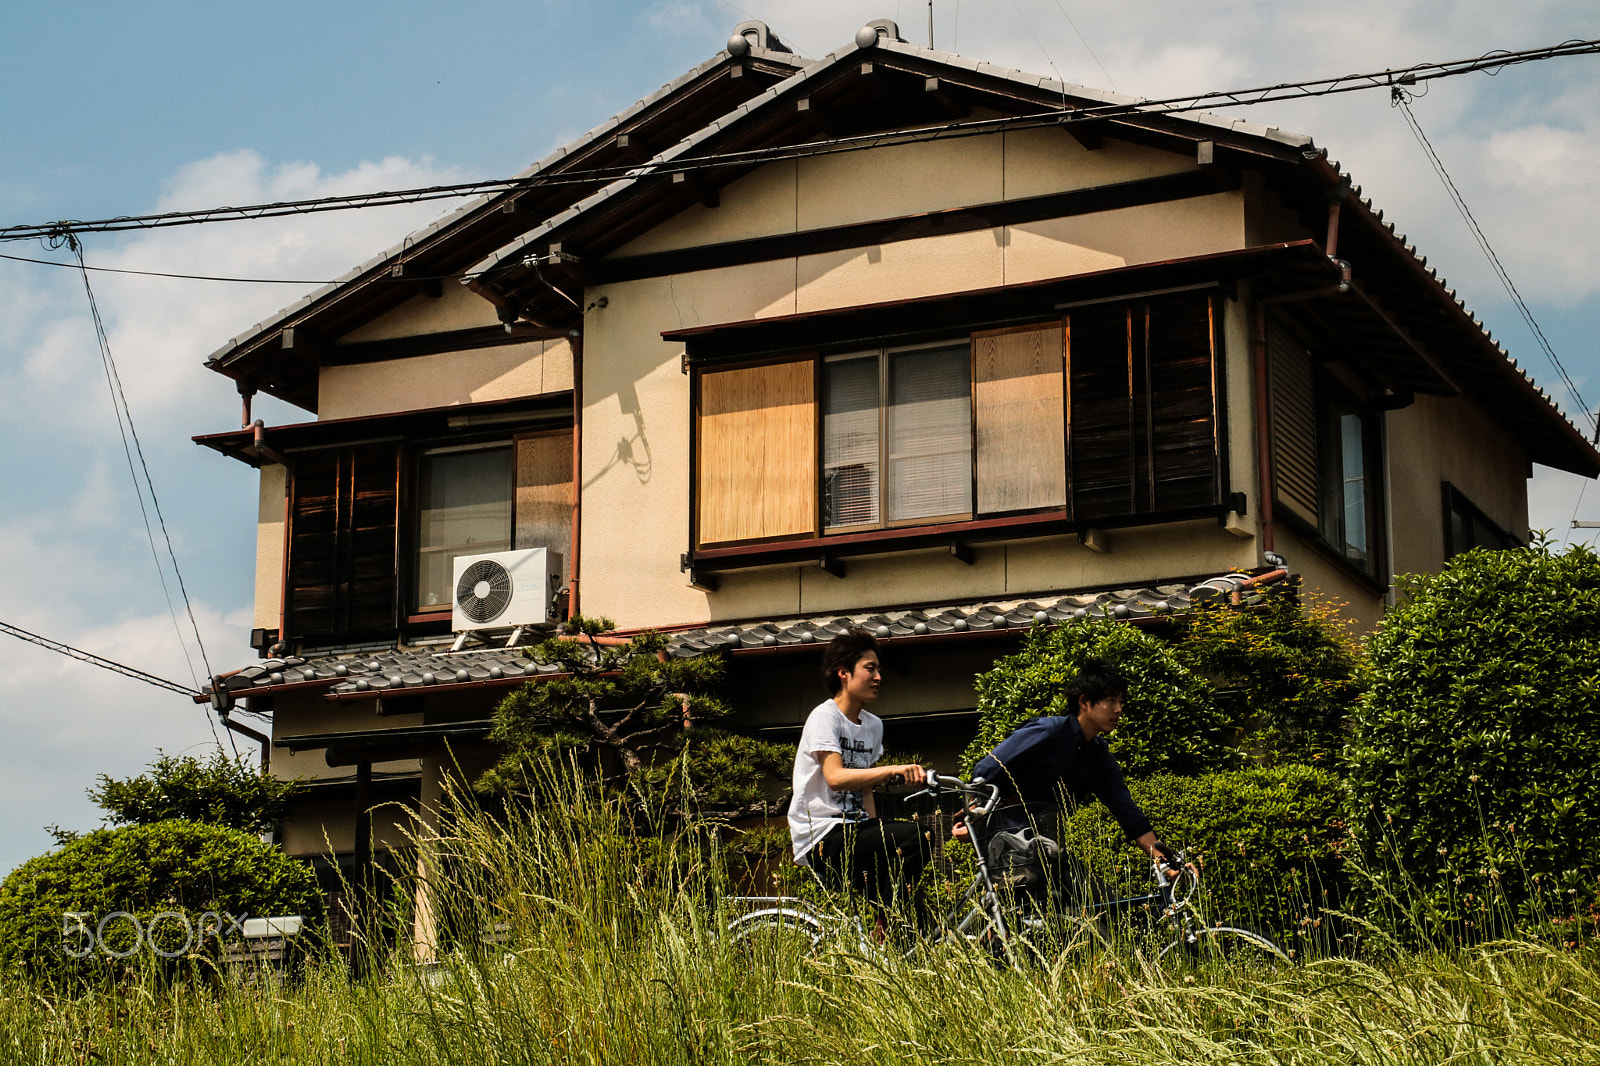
{"x":116,"y":109}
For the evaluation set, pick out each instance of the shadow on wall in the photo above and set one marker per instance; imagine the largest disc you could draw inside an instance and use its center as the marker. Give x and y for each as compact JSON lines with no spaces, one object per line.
{"x":631,"y":451}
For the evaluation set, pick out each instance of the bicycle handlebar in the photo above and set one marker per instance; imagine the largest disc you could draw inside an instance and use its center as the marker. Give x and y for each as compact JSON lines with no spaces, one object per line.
{"x":1186,"y":872}
{"x":935,"y":782}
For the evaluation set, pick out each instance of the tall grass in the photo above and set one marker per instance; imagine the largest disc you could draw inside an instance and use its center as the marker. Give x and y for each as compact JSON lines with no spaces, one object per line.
{"x":606,"y":946}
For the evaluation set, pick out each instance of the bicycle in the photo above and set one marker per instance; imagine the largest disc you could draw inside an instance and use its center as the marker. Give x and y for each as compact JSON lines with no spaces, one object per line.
{"x":991,"y":913}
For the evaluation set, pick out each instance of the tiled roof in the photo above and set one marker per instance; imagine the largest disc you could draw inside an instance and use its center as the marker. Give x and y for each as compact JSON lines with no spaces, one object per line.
{"x":364,"y":675}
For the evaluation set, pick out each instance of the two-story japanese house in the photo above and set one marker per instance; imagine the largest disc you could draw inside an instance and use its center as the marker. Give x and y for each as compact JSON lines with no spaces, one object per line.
{"x":891,"y":337}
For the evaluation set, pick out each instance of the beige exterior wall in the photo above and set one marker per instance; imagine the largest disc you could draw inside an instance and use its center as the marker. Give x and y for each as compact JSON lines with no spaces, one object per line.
{"x":271,"y":528}
{"x":1327,"y":581}
{"x":636,"y":462}
{"x":835,"y":190}
{"x":458,"y":307}
{"x":1441,"y":439}
{"x":328,"y":826}
{"x":308,"y":713}
{"x":1239,"y":385}
{"x":445,"y":379}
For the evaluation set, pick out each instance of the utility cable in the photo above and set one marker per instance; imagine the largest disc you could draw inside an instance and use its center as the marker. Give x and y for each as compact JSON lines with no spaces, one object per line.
{"x":1086,"y":48}
{"x":126,"y":429}
{"x":95,"y":660}
{"x":1414,"y":75}
{"x":1399,"y":99}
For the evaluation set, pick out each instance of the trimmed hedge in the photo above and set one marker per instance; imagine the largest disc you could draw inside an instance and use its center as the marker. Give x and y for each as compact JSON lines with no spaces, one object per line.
{"x":1471,"y":770}
{"x":1171,"y":724}
{"x":144,"y":870}
{"x":1268,"y":842}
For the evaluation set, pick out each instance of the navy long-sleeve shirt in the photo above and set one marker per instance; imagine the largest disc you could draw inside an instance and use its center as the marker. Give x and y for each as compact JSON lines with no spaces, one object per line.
{"x":1048,"y":755}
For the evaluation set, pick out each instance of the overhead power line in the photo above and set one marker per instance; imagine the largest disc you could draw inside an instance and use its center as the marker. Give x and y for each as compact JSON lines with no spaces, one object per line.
{"x":95,"y":660}
{"x":1400,"y":100}
{"x":125,"y":427}
{"x":1384,"y":79}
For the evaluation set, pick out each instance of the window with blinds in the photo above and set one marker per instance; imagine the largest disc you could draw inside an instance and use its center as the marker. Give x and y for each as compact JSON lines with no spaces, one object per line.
{"x":896,"y":437}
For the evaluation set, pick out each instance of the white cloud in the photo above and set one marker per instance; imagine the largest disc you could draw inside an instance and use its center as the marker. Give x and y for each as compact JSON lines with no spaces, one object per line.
{"x":78,"y":562}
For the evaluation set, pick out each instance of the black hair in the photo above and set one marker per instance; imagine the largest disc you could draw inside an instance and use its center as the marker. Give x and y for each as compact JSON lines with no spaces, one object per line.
{"x":842,"y":653}
{"x":1097,"y":680}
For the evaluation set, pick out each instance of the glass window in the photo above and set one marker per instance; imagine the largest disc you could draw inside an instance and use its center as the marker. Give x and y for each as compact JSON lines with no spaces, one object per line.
{"x":1350,"y":479}
{"x":463,"y":508}
{"x":896,"y":437}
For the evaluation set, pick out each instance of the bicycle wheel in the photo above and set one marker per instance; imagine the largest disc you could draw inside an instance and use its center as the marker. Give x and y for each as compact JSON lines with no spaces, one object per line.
{"x":784,"y":933}
{"x":1043,"y":939}
{"x":1230,"y":945}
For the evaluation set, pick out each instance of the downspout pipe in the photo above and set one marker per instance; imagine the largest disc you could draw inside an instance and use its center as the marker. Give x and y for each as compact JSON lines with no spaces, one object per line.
{"x":577,"y":470}
{"x":263,"y":449}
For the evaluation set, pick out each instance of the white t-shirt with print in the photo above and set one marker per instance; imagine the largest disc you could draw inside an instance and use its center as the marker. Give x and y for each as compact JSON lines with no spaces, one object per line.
{"x":816,"y":808}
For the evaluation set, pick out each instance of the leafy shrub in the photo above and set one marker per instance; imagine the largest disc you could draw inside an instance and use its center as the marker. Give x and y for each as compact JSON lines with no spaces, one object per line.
{"x":144,"y":870}
{"x":223,"y":791}
{"x":1290,"y":672}
{"x":1171,"y":723}
{"x":1267,"y":839}
{"x":1476,"y":744}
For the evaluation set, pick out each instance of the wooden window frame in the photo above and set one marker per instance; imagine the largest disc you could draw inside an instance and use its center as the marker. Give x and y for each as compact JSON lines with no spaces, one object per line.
{"x":973,"y":525}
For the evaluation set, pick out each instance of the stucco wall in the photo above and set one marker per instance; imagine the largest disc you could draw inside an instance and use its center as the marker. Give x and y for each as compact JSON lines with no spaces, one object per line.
{"x":1441,"y":439}
{"x":636,"y":461}
{"x":835,"y":190}
{"x":457,"y":307}
{"x":271,"y":521}
{"x":1327,"y":581}
{"x":444,"y":379}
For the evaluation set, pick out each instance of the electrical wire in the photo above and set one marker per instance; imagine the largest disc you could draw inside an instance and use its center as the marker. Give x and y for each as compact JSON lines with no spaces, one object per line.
{"x":1086,"y":48}
{"x":96,"y":660}
{"x":126,"y":429}
{"x":1408,"y":76}
{"x":1399,"y":99}
{"x":164,"y":274}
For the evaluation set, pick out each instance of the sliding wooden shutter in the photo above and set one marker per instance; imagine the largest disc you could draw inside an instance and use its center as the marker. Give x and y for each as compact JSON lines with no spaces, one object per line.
{"x":1019,"y":409}
{"x":544,"y":494}
{"x":1294,"y":424}
{"x":757,"y":453}
{"x":1143,"y":399}
{"x":343,"y":580}
{"x":1104,"y":451}
{"x":1182,"y":450}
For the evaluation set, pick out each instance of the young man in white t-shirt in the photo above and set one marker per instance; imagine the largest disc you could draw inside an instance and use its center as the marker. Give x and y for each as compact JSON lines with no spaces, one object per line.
{"x":833,"y":821}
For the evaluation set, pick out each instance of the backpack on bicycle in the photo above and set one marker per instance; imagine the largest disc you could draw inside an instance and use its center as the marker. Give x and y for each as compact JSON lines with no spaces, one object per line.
{"x":1020,"y":857}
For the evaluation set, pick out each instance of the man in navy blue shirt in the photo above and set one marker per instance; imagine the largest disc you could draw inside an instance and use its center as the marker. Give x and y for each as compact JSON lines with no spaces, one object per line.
{"x":1048,"y":756}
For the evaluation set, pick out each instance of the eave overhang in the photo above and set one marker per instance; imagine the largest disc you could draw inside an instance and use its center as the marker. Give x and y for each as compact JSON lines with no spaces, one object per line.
{"x":437,"y":254}
{"x":463,"y":421}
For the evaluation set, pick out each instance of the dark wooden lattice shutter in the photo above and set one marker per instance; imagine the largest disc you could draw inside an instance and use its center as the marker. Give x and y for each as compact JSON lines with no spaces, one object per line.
{"x":1101,"y":413}
{"x":342,"y":579}
{"x":1181,"y":455}
{"x":1294,"y":424}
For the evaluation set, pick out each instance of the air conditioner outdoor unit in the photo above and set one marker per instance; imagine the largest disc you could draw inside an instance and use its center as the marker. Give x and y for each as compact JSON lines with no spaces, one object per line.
{"x":504,"y":590}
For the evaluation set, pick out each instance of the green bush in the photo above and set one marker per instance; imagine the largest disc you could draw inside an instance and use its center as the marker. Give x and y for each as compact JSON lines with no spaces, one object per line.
{"x":1289,"y":672}
{"x":222,"y":791}
{"x":1267,"y":840}
{"x":1171,"y":723}
{"x":1475,"y":746}
{"x":143,"y":870}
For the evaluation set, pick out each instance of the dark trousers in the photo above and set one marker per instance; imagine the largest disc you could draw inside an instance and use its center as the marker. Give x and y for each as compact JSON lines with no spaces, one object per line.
{"x":881,"y":860}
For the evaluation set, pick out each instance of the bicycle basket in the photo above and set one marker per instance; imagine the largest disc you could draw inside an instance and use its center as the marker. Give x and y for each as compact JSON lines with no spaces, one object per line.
{"x":1020,"y":856}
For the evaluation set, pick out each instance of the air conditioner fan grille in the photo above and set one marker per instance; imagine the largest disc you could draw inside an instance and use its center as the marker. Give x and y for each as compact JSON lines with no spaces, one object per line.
{"x":493,"y":603}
